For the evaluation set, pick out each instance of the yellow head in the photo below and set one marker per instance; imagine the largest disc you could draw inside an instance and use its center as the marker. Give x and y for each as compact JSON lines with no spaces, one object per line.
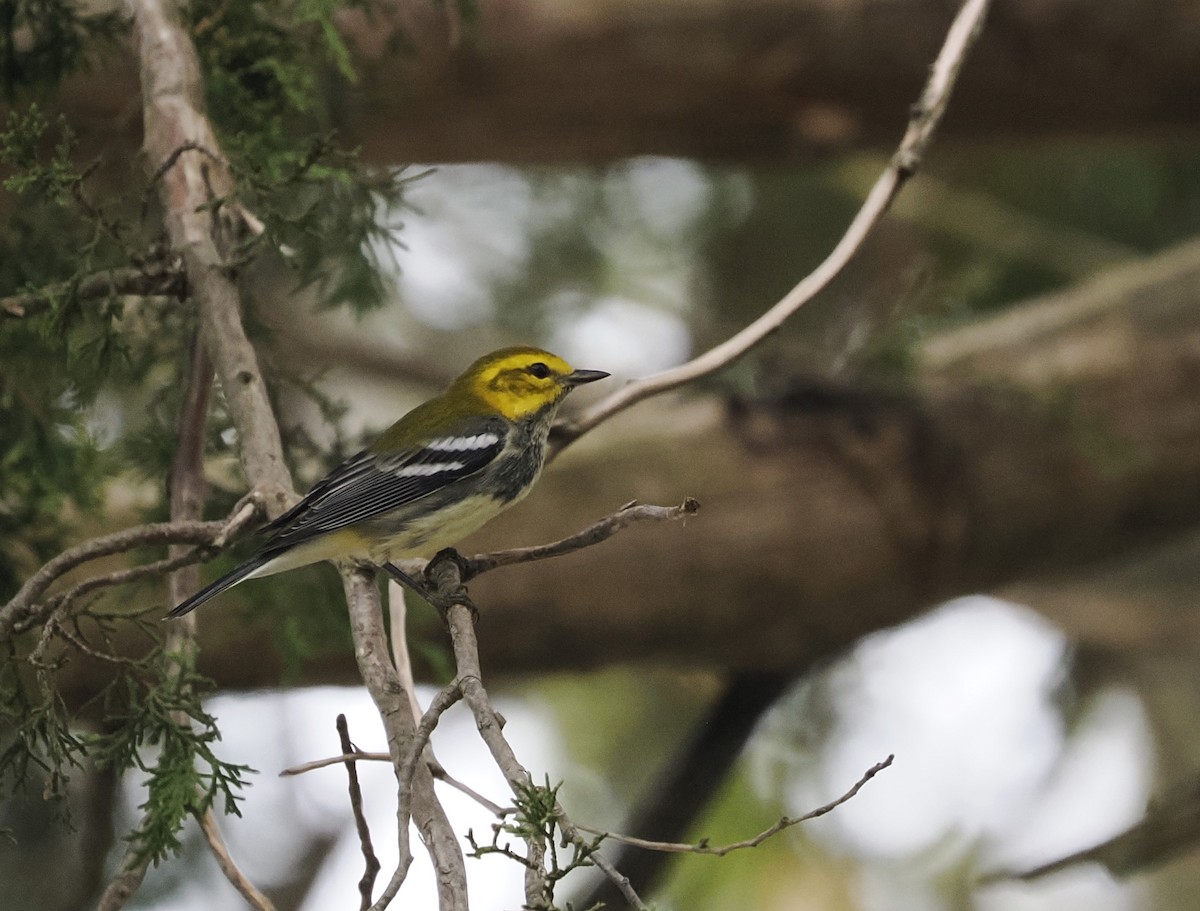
{"x":518,"y":382}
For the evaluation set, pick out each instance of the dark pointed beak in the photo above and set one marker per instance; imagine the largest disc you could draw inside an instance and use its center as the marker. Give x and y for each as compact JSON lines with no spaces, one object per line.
{"x":579,"y":377}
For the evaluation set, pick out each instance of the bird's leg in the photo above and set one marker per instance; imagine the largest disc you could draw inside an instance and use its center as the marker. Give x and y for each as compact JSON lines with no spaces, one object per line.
{"x":406,"y":580}
{"x":445,"y":574}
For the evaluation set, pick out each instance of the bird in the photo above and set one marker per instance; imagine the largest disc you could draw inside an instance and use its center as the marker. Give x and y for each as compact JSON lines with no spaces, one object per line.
{"x":437,"y":474}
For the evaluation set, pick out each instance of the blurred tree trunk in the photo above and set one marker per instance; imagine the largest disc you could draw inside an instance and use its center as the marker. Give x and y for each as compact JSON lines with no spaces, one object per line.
{"x":751,"y":80}
{"x":1042,"y":443}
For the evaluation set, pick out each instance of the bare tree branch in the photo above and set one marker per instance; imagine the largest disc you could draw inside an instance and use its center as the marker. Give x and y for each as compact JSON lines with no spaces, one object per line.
{"x":208,"y":534}
{"x":416,"y":797}
{"x":599,"y":531}
{"x":212,"y":834}
{"x":445,"y":577}
{"x":24,"y":610}
{"x":491,"y":806}
{"x":172,"y":98}
{"x":370,"y":650}
{"x":923,"y":122}
{"x":127,"y":880}
{"x":352,"y":756}
{"x":786,"y":822}
{"x":142,"y":281}
{"x":366,"y":885}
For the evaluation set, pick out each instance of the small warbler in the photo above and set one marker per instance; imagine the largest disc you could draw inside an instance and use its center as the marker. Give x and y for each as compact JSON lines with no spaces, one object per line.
{"x":434,"y":476}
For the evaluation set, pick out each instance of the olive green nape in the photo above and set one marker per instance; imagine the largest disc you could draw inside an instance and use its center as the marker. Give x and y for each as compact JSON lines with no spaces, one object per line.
{"x":467,"y":398}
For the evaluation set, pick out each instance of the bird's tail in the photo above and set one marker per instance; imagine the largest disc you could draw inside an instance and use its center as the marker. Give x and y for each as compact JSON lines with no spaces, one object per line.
{"x":230,"y":579}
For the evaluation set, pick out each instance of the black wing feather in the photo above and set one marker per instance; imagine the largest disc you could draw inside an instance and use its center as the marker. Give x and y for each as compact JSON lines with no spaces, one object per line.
{"x":366,"y":486}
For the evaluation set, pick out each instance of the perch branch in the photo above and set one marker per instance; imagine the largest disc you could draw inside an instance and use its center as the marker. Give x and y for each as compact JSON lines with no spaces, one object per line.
{"x":599,"y":531}
{"x":416,"y":799}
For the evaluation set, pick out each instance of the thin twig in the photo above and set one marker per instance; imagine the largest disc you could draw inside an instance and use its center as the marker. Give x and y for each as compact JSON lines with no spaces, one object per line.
{"x":24,"y":611}
{"x":54,"y":627}
{"x":171,"y":160}
{"x":435,"y":769}
{"x":491,"y":806}
{"x":593,"y":534}
{"x":212,"y":834}
{"x":466,"y":650}
{"x":786,"y":822}
{"x":418,"y":748}
{"x":353,"y":756}
{"x":925,"y":117}
{"x":157,"y":533}
{"x":147,"y":281}
{"x":366,"y":885}
{"x":128,"y":878}
{"x":401,"y":659}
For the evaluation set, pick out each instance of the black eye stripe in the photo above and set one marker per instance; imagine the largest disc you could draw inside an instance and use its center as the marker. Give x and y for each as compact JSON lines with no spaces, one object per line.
{"x":540,"y":370}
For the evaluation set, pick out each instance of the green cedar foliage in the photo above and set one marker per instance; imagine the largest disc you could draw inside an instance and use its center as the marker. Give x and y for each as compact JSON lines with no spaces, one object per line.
{"x":91,"y":376}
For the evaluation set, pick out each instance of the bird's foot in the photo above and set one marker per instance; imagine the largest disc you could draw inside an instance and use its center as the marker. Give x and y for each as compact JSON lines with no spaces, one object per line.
{"x":445,"y":575}
{"x":441,"y":583}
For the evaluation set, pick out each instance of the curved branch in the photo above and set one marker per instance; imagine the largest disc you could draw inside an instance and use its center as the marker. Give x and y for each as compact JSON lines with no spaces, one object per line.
{"x":925,"y":117}
{"x":15,"y":614}
{"x":216,"y":843}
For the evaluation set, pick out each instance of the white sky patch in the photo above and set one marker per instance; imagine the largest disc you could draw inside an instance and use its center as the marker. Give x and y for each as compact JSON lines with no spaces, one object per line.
{"x":962,"y":697}
{"x":667,"y":195}
{"x":1099,"y":788}
{"x":470,"y":229}
{"x":1084,"y":888}
{"x":622,"y":336}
